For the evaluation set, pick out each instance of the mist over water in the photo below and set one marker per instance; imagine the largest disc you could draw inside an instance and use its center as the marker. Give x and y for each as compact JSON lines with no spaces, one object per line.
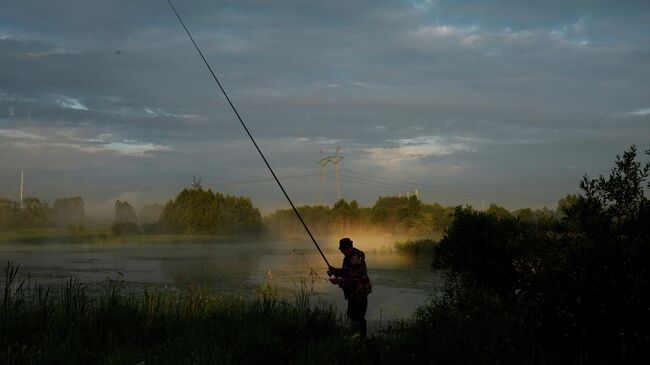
{"x":400,"y":283}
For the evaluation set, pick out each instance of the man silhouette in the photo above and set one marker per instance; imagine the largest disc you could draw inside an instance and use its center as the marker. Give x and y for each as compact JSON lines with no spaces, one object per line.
{"x":353,"y":279}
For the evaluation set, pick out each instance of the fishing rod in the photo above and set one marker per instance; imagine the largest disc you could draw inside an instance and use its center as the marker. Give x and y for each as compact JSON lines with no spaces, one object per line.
{"x":249,"y":133}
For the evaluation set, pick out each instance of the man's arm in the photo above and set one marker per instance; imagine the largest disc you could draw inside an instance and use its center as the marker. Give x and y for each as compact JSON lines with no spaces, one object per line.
{"x":353,"y":273}
{"x":335,"y":272}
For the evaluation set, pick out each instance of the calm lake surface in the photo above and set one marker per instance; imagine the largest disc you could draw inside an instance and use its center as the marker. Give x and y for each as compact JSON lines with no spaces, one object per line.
{"x":400,"y":283}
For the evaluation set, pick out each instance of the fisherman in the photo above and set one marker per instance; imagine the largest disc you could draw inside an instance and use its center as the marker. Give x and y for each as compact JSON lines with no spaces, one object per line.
{"x":353,"y":279}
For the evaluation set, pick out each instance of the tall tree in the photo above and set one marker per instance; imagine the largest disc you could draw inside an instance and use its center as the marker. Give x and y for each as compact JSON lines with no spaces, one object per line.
{"x":124,"y":212}
{"x":69,"y":211}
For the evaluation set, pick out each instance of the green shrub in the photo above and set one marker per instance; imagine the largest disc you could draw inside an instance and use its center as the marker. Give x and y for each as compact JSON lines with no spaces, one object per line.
{"x":416,"y":247}
{"x":124,"y":228}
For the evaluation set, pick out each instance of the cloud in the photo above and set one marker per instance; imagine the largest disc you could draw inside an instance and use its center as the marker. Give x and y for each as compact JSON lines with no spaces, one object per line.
{"x":370,"y":76}
{"x":437,"y":35}
{"x":412,"y":149}
{"x":133,"y":148}
{"x":158,"y":112}
{"x":125,"y":148}
{"x":636,"y":113}
{"x":422,"y":5}
{"x":18,"y":134}
{"x":318,"y":140}
{"x":70,"y":103}
{"x":104,"y":143}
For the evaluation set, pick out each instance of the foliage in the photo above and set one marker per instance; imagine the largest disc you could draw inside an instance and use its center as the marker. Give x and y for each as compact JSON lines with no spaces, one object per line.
{"x":35,"y":213}
{"x":124,"y":228}
{"x":416,"y":247}
{"x":498,"y":211}
{"x":150,"y":213}
{"x":400,"y":215}
{"x":204,"y":212}
{"x":69,"y":211}
{"x":577,"y":289}
{"x":124,"y":212}
{"x":66,"y":324}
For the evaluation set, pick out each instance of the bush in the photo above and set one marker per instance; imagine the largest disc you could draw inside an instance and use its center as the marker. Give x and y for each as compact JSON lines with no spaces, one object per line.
{"x":416,"y":247}
{"x":124,"y":228}
{"x":580,"y":288}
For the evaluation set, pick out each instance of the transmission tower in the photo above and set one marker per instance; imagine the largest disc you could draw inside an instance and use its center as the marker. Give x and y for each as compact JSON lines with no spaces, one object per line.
{"x":196,"y":184}
{"x":326,"y":160}
{"x":21,"y":189}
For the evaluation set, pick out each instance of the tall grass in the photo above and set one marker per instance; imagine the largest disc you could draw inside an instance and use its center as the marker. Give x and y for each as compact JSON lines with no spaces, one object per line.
{"x":423,"y":246}
{"x":66,"y":324}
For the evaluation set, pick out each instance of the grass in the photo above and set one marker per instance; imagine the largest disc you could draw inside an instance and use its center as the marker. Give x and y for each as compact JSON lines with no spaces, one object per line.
{"x":66,"y":324}
{"x":416,"y":247}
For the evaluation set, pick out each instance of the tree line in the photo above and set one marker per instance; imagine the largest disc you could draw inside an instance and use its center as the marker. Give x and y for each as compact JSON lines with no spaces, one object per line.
{"x":36,"y":213}
{"x":198,"y":211}
{"x":407,"y":216}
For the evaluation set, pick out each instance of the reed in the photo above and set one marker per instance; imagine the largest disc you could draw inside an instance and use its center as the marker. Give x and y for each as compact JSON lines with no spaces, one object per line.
{"x":68,"y":324}
{"x":416,"y":247}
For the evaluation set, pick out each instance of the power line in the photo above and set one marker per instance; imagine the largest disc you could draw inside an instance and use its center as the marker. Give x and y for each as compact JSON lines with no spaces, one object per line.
{"x":255,"y":181}
{"x":440,"y":190}
{"x":389,"y":183}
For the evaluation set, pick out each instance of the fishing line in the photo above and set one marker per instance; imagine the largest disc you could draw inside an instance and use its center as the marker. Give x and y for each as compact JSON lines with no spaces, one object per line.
{"x":248,"y":132}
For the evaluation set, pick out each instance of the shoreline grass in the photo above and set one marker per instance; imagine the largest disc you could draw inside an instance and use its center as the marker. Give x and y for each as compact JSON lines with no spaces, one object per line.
{"x":53,"y":235}
{"x":65,"y":324}
{"x":425,"y":246}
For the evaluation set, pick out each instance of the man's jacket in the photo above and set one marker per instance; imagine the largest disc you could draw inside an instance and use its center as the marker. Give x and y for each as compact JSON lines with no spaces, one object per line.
{"x":353,"y":276}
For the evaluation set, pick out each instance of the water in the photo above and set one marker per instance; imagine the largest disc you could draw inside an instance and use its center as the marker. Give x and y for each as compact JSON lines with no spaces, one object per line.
{"x":400,"y":283}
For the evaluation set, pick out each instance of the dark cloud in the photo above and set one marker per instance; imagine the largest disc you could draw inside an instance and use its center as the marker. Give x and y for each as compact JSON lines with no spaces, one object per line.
{"x":524,"y":97}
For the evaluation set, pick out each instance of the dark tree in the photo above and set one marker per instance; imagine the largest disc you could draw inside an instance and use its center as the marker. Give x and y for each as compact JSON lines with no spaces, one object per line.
{"x":578,"y":288}
{"x":205,"y":212}
{"x":69,"y":211}
{"x":150,"y":213}
{"x":124,"y":212}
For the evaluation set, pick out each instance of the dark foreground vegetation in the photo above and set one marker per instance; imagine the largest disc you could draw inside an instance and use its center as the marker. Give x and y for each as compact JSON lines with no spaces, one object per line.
{"x":67,"y":325}
{"x":570,"y":291}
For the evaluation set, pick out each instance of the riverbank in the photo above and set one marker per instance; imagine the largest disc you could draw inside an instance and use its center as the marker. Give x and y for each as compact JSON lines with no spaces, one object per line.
{"x":103,"y":235}
{"x":425,"y":246}
{"x":66,"y":324}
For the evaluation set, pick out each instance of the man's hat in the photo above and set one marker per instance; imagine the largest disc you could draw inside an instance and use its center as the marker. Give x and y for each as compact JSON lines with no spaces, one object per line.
{"x":345,"y":243}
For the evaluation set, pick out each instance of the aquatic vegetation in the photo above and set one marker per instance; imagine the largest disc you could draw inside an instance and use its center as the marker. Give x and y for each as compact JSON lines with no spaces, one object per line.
{"x":423,"y":246}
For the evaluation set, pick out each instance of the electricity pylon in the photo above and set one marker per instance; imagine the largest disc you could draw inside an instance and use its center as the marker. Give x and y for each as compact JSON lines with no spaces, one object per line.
{"x":21,"y":189}
{"x":196,"y":184}
{"x":333,"y":159}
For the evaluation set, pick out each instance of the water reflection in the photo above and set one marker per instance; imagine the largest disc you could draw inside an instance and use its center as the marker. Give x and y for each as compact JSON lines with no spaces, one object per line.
{"x":400,"y":283}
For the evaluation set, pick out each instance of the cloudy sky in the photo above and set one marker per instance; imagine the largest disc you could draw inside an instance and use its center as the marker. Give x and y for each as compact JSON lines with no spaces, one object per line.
{"x":468,"y":101}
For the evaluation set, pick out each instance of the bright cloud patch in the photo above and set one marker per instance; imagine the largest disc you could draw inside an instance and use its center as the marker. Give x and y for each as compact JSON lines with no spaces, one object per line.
{"x":133,"y":148}
{"x":18,"y":134}
{"x":434,"y":31}
{"x":636,"y":113}
{"x":70,"y":103}
{"x":105,"y":142}
{"x":439,"y":35}
{"x":318,"y":140}
{"x":158,"y":112}
{"x":405,"y":150}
